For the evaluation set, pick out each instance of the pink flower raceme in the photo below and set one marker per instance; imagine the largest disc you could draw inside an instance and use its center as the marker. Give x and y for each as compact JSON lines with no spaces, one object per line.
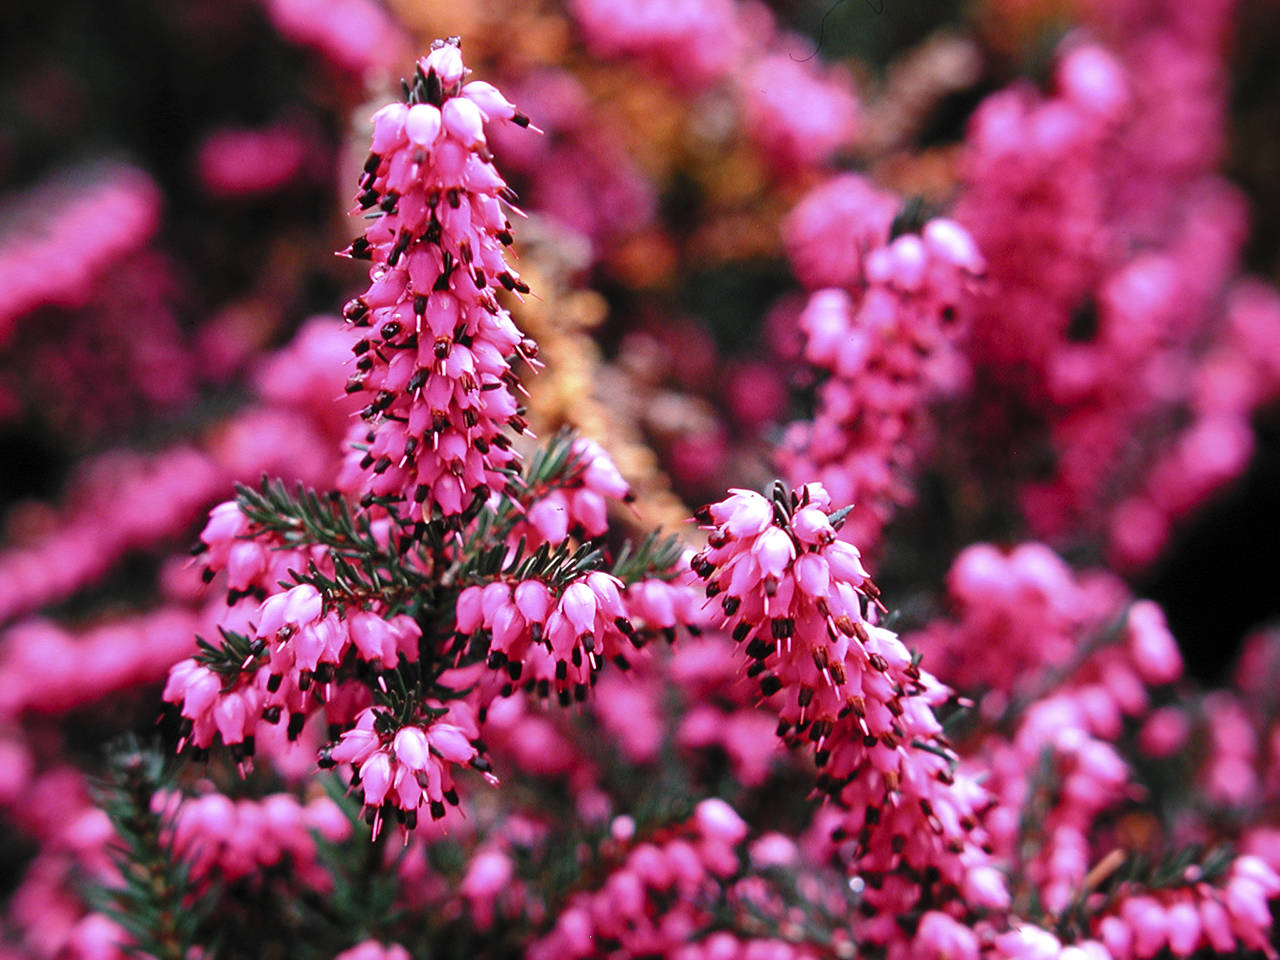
{"x":230,"y":840}
{"x":682,"y":895}
{"x":549,"y":637}
{"x":889,"y":335}
{"x":804,"y":606}
{"x":434,"y":344}
{"x":295,"y":650}
{"x":576,"y":502}
{"x":77,"y":232}
{"x":1229,"y":915}
{"x":402,"y":768}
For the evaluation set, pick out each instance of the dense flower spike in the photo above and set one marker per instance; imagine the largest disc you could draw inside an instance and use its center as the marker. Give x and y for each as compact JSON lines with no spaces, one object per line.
{"x":407,"y":768}
{"x":801,"y":602}
{"x":549,"y":638}
{"x":434,"y":344}
{"x":887,"y":327}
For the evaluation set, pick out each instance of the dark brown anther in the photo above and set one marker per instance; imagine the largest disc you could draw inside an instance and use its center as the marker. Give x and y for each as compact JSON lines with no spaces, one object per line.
{"x":713,"y":589}
{"x":360,"y":249}
{"x":759,"y":648}
{"x":366,"y":461}
{"x":741,"y":631}
{"x":365,"y":363}
{"x":354,"y":385}
{"x":403,"y":239}
{"x":508,"y":282}
{"x":782,"y":627}
{"x":478,"y":278}
{"x":367,"y":199}
{"x":381,"y":466}
{"x":878,"y":662}
{"x":390,"y":329}
{"x":506,"y":239}
{"x":453,"y":197}
{"x":441,"y":347}
{"x":521,"y":286}
{"x":371,"y":163}
{"x":361,"y":346}
{"x":730,"y":605}
{"x":355,"y":310}
{"x":389,"y":202}
{"x":520,"y":120}
{"x":770,"y":685}
{"x":418,"y":380}
{"x":434,"y":231}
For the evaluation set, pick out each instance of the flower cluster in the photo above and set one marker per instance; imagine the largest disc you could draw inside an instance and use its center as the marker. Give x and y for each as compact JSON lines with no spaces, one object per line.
{"x":886,"y":325}
{"x":434,"y":343}
{"x":805,"y":608}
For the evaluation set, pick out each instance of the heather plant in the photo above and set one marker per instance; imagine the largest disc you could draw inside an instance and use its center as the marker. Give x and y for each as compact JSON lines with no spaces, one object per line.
{"x":434,"y":681}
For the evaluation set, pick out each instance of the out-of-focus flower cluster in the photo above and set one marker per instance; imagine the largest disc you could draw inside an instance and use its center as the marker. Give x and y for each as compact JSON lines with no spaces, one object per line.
{"x":432,"y":681}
